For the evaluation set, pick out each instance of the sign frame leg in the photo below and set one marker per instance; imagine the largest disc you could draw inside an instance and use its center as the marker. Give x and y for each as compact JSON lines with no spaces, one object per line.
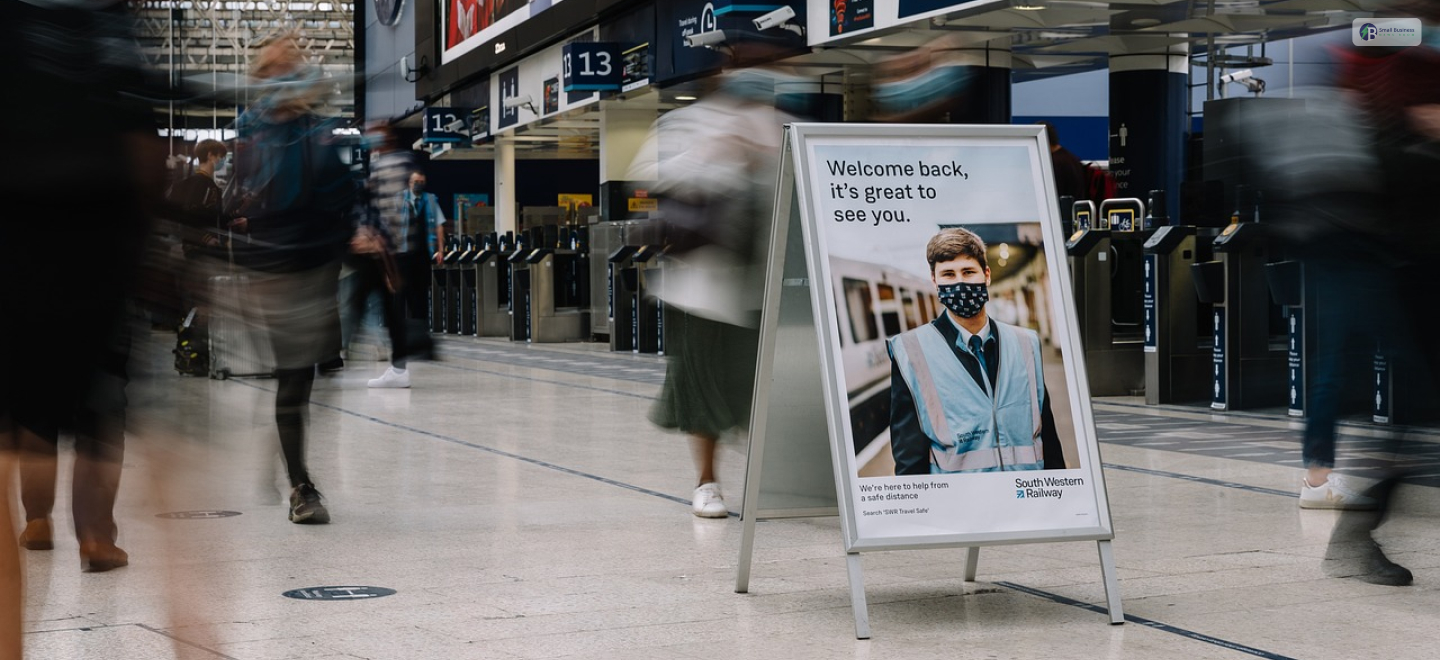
{"x":1112,"y":583}
{"x":858,"y":604}
{"x":972,"y":562}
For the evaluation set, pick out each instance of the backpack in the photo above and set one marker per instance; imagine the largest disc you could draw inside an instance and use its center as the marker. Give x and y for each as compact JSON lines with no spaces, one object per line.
{"x":1099,"y":184}
{"x":192,"y":352}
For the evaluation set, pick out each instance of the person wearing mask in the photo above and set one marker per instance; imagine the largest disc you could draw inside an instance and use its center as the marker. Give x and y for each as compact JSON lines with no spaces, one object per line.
{"x":715,"y":167}
{"x":411,"y":227}
{"x":967,"y":392}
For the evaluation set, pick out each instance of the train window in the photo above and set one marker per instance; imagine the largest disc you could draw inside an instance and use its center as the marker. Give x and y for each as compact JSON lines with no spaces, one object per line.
{"x":862,"y":310}
{"x":912,"y":309}
{"x":889,"y":311}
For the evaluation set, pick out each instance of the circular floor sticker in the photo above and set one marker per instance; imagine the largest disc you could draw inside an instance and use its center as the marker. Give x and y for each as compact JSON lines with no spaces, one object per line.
{"x":338,"y":593}
{"x":197,"y":515}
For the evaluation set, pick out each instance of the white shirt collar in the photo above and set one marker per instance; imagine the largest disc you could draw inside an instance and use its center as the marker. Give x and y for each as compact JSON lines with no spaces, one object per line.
{"x":966,"y":334}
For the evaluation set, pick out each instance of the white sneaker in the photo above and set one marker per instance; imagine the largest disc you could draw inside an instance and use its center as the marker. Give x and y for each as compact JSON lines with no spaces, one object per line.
{"x":708,"y":503}
{"x":392,"y":378}
{"x":1338,"y":492}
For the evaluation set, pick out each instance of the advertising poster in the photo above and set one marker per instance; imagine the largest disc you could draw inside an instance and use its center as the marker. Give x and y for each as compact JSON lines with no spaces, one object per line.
{"x":471,"y":23}
{"x":464,"y":201}
{"x":956,"y":400}
{"x":849,"y":16}
{"x":574,"y":201}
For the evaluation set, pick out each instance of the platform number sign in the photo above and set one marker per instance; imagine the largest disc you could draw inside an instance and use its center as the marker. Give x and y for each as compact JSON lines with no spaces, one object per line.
{"x":591,"y":66}
{"x":447,"y":126}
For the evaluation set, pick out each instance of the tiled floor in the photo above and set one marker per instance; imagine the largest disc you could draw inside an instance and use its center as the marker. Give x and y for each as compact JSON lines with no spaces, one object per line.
{"x":520,"y":506}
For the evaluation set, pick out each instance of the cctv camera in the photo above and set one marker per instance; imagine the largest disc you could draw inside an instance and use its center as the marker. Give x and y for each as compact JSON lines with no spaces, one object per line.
{"x":775,"y":18}
{"x":1237,"y":76}
{"x":1255,"y":85}
{"x":518,"y":102}
{"x":706,"y":39}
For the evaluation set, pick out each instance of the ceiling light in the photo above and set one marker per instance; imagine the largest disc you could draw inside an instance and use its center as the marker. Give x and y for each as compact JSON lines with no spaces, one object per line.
{"x":1026,"y":6}
{"x":685,"y":98}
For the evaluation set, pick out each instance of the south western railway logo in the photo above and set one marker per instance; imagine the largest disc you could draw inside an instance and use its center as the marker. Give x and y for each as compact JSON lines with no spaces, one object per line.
{"x":1045,"y":487}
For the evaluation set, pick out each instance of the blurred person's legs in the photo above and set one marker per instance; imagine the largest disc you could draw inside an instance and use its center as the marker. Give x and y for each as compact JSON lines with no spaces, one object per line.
{"x":397,"y":322}
{"x":38,"y":460}
{"x":1353,"y":551}
{"x":298,"y":309}
{"x":99,"y":454}
{"x":1344,"y":285}
{"x":707,"y":391}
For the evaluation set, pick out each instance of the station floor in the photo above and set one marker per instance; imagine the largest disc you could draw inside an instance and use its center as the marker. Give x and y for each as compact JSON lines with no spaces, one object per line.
{"x":519,"y":505}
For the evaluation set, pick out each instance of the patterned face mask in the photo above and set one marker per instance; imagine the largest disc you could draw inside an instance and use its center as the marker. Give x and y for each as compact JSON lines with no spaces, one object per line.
{"x":964,"y":298}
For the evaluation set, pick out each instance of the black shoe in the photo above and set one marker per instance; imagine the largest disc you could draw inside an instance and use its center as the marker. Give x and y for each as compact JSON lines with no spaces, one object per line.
{"x":332,"y":365}
{"x":1371,"y":565}
{"x":1380,"y":570}
{"x":305,"y":506}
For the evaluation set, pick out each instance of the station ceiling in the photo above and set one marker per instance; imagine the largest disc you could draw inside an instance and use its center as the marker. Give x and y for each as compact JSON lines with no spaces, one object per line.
{"x":1045,"y":38}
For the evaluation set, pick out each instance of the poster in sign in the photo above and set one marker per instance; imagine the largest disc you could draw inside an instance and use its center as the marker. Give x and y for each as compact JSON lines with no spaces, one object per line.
{"x":955,"y":388}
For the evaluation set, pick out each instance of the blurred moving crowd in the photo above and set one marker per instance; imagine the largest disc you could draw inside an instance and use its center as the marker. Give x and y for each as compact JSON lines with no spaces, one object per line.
{"x":84,"y":178}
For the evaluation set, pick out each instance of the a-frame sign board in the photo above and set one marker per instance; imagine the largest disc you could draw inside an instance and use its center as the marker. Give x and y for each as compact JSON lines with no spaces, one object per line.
{"x":853,"y":313}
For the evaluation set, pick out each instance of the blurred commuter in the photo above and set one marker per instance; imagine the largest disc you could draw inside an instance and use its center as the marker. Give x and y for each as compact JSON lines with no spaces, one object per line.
{"x":197,"y":195}
{"x":1349,"y":181}
{"x":397,"y":246}
{"x":923,"y":84}
{"x":716,"y":170}
{"x":63,"y":341}
{"x":294,"y":195}
{"x":1069,"y":171}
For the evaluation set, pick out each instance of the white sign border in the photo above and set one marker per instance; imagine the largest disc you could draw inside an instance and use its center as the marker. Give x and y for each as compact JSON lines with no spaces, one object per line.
{"x":822,"y":300}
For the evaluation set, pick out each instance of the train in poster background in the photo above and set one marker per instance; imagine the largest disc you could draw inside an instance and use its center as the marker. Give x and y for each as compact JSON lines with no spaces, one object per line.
{"x":875,"y":302}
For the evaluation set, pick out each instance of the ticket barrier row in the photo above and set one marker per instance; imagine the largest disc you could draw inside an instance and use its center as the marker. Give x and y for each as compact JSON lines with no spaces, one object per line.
{"x":624,"y":306}
{"x":1229,"y":319}
{"x":532,"y":287}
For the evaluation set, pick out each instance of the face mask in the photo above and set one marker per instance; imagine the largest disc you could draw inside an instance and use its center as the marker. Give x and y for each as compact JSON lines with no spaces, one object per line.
{"x":418,"y":189}
{"x":964,"y":298}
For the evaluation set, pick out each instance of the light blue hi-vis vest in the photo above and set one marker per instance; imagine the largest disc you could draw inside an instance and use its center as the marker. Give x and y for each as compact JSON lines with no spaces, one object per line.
{"x":969,"y":430}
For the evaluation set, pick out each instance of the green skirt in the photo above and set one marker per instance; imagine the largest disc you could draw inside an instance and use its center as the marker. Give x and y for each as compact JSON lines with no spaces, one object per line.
{"x":711,"y":375}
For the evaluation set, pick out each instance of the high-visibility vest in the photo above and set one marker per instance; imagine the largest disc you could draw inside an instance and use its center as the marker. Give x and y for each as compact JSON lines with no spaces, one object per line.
{"x":969,"y":429}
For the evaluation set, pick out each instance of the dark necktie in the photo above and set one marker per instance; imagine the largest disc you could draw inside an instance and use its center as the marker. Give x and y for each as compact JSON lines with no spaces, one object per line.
{"x":977,"y":346}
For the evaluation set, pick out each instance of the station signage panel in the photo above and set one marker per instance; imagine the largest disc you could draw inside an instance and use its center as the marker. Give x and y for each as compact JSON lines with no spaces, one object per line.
{"x":447,"y":126}
{"x":592,"y":66}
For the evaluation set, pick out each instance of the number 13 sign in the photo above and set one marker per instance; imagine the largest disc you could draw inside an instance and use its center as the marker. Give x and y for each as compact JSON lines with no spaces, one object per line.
{"x":591,"y":66}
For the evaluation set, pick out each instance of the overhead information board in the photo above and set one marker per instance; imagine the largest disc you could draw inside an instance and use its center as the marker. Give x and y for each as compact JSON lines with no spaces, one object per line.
{"x":916,"y":238}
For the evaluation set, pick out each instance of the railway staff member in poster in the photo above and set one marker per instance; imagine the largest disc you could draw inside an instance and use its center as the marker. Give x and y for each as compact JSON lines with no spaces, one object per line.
{"x":967,"y":392}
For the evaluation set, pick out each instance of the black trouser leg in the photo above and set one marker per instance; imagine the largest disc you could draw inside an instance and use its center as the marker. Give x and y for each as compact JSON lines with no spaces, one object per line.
{"x":292,"y":400}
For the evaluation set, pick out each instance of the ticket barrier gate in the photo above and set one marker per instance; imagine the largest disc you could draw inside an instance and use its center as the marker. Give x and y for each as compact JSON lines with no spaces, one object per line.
{"x":639,"y":316}
{"x":520,"y":289}
{"x":490,"y":299}
{"x":1177,"y":352}
{"x":1402,"y":392}
{"x":557,"y":273}
{"x":605,"y":239}
{"x":440,"y":284}
{"x":1106,"y":270}
{"x":460,"y":287}
{"x":1250,"y":353}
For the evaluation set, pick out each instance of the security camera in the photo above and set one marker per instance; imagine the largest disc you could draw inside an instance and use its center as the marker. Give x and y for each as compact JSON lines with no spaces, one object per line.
{"x":775,"y":18}
{"x":705,"y":39}
{"x":518,"y":102}
{"x":1238,"y":76}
